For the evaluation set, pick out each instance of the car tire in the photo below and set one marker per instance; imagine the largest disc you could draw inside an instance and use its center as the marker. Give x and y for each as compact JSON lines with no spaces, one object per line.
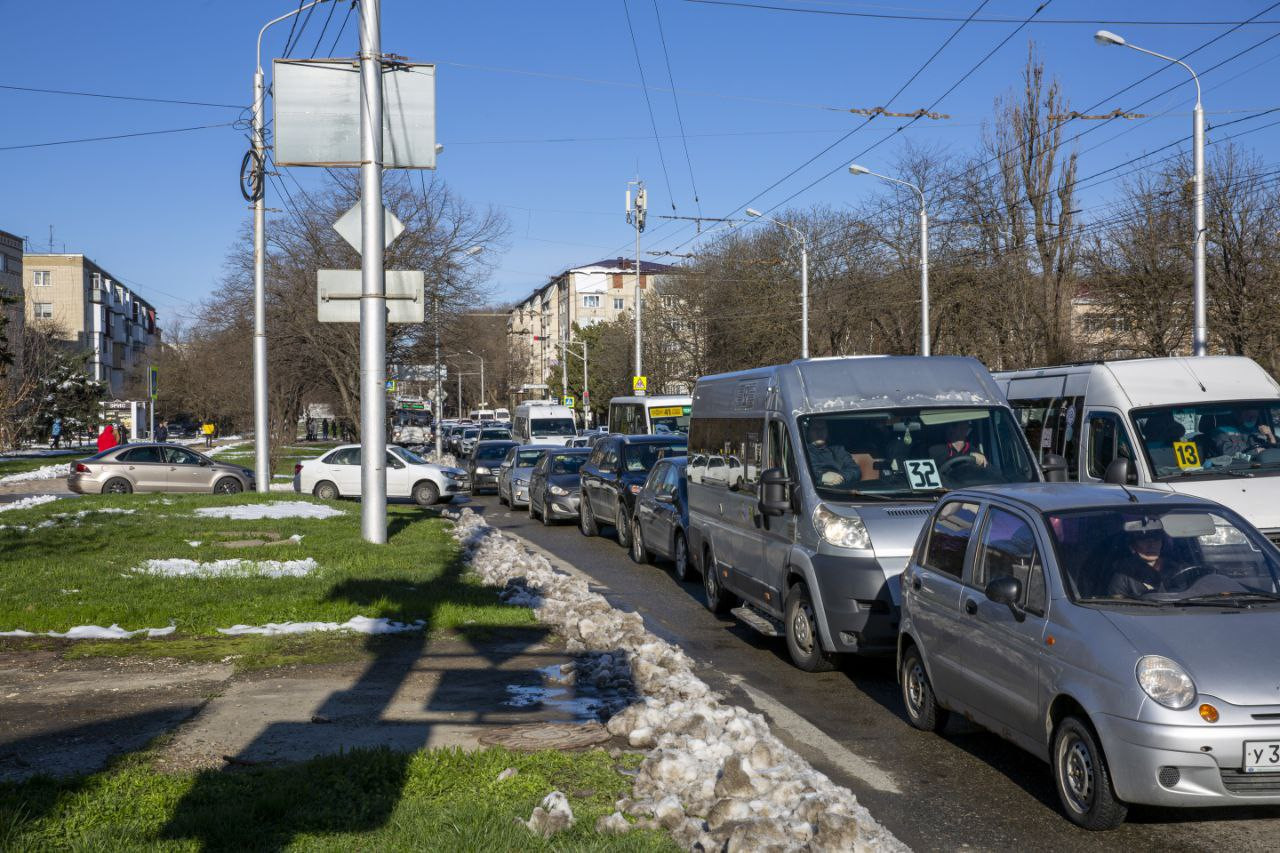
{"x":532,"y":515}
{"x":587,"y":519}
{"x":426,"y":493}
{"x":501,"y":500}
{"x":228,"y":486}
{"x":923,"y":710}
{"x":804,"y":643}
{"x":639,"y":553}
{"x":117,"y":486}
{"x":719,"y":600}
{"x":681,"y":558}
{"x":622,"y":525}
{"x":326,"y":491}
{"x":546,"y":515}
{"x":1083,"y":780}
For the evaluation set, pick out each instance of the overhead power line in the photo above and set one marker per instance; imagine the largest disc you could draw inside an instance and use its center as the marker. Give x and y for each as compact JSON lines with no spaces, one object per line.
{"x":662,"y":159}
{"x":684,"y":139}
{"x":333,"y":6}
{"x":342,"y":29}
{"x":115,"y":136}
{"x":120,"y":97}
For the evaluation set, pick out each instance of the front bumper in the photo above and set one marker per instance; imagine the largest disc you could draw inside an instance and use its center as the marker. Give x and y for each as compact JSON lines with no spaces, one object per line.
{"x":1208,"y":758}
{"x":563,"y":506}
{"x":484,"y":481}
{"x":861,"y":615}
{"x":519,"y":494}
{"x":457,"y":487}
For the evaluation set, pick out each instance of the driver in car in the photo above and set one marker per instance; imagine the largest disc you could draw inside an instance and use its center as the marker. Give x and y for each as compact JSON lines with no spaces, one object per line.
{"x":958,"y":444}
{"x":831,"y":462}
{"x":1144,"y":569}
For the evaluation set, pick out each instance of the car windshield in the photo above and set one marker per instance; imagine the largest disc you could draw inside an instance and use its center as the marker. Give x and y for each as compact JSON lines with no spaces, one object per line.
{"x":552,"y":426}
{"x":408,"y":456}
{"x":669,"y":420}
{"x":1163,"y":555}
{"x":913,"y":452}
{"x":567,"y":463}
{"x":491,"y":453}
{"x":642,"y":457}
{"x":495,"y":434}
{"x":528,"y":458}
{"x":1211,"y":439}
{"x":470,"y":433}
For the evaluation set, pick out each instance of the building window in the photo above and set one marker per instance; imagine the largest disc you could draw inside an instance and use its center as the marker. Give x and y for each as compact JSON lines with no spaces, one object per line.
{"x":617,"y":303}
{"x":41,"y":278}
{"x":591,"y":302}
{"x":43,"y":310}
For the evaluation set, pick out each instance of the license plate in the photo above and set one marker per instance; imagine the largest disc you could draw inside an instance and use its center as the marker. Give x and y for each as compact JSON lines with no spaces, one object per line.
{"x":1262,"y":756}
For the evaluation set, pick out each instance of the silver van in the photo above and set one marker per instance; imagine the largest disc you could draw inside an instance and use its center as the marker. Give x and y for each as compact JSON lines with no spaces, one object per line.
{"x":1208,"y":427}
{"x":809,"y":483}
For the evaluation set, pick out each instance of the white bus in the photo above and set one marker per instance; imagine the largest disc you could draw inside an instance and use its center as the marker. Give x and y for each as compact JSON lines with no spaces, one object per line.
{"x":667,"y":415}
{"x":543,"y":422}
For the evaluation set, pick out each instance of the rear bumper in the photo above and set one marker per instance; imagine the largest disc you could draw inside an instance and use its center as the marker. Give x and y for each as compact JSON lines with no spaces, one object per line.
{"x":82,"y":485}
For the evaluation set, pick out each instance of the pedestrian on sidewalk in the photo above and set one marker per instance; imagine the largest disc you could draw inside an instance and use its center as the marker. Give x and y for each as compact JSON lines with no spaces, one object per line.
{"x":107,"y":438}
{"x":162,"y":432}
{"x":55,"y":433}
{"x":119,"y":433}
{"x":207,"y":430}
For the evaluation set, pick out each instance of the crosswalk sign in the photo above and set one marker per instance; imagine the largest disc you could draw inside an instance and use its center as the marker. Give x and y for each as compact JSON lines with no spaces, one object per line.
{"x":639,"y":384}
{"x":569,"y":401}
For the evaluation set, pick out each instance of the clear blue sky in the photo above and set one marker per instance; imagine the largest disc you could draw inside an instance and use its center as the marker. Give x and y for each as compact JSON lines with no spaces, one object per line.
{"x":761,"y":92}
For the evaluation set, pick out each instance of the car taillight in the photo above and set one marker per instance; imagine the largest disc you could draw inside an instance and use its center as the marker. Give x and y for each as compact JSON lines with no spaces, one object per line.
{"x":82,"y":468}
{"x":297,"y":469}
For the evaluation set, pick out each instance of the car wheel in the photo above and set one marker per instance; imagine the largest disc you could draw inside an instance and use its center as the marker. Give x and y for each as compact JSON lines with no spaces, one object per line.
{"x":803,"y":641}
{"x":117,"y":486}
{"x":426,"y":493}
{"x":532,"y":514}
{"x":719,"y":600}
{"x":587,"y":519}
{"x":1081,"y":776}
{"x":227,"y":486}
{"x":923,"y":710}
{"x":502,"y":500}
{"x":681,"y":558}
{"x":546,"y":515}
{"x":325,"y":491}
{"x":623,"y":526}
{"x":639,"y":552}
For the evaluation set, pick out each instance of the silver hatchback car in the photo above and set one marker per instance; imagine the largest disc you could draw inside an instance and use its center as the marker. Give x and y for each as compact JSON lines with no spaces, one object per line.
{"x":156,"y":468}
{"x":1126,"y":636}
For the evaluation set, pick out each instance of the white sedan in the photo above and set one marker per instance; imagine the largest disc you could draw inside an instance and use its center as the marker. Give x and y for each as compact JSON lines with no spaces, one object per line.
{"x":337,"y":474}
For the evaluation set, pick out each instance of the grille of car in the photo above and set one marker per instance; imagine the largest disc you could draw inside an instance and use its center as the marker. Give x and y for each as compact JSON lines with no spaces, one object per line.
{"x":1251,"y":783}
{"x":904,"y":512}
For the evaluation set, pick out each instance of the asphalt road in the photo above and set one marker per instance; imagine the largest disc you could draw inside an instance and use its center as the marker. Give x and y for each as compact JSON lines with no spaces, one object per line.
{"x":965,"y":788}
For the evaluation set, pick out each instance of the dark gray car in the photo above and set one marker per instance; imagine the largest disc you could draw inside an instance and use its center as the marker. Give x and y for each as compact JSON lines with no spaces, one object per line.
{"x":485,"y":462}
{"x":554,"y":485}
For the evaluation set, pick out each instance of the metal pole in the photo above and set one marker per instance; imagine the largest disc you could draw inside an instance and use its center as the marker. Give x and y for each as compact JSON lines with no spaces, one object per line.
{"x":804,"y":297}
{"x":924,"y":278}
{"x":439,"y":402}
{"x":1200,"y":332}
{"x":261,"y":437}
{"x":460,"y":412}
{"x":483,"y":396}
{"x":586,"y":396}
{"x":373,"y":298}
{"x":564,"y":369}
{"x":639,"y":360}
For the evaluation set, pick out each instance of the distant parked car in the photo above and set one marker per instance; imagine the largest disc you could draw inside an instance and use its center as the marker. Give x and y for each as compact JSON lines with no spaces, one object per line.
{"x":555,"y":486}
{"x":515,"y":471}
{"x":615,"y":474}
{"x":156,"y":468}
{"x":337,"y":474}
{"x":484,"y":433}
{"x":485,"y":462}
{"x":662,"y":517}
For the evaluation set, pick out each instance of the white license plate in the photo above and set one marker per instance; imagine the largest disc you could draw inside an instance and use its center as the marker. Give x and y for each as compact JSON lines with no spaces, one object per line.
{"x":1262,"y":756}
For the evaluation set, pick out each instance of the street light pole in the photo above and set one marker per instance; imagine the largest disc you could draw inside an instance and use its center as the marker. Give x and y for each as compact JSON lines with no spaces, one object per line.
{"x":1200,"y":323}
{"x":439,"y":402}
{"x":855,"y":169}
{"x":804,"y":277}
{"x":636,"y":216}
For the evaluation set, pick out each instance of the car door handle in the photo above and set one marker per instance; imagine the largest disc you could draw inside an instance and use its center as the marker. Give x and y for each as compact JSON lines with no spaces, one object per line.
{"x":970,"y":606}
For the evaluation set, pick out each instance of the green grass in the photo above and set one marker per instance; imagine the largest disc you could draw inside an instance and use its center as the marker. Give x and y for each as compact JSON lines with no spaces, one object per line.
{"x":290,"y":455}
{"x":362,"y":800}
{"x":81,"y":571}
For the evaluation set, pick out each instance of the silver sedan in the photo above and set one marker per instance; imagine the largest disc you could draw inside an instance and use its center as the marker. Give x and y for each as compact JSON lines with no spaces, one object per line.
{"x":156,"y":468}
{"x":1127,"y":637}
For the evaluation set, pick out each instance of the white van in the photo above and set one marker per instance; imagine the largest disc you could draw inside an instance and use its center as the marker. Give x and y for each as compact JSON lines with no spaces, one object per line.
{"x":543,"y":422}
{"x":480,"y":416}
{"x":502,"y":415}
{"x":665,"y":415}
{"x":1198,"y":426}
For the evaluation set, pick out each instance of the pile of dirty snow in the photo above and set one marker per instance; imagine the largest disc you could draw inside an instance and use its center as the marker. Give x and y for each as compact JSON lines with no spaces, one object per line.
{"x":276,"y":509}
{"x":448,"y":460}
{"x":93,"y":632}
{"x":181,"y":568}
{"x":714,"y":776}
{"x":48,"y":472}
{"x":358,"y":624}
{"x":27,"y":503}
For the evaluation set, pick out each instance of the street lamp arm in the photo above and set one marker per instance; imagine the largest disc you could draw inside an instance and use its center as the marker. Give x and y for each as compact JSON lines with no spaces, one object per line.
{"x":1173,"y":60}
{"x":283,"y":17}
{"x":919,"y":192}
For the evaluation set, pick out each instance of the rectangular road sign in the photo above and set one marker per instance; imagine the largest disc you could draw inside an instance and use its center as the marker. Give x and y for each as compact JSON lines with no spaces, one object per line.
{"x":338,"y":296}
{"x":569,"y":401}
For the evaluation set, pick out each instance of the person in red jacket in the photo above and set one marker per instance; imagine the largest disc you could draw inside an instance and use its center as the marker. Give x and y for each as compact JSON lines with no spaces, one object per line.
{"x":107,"y":438}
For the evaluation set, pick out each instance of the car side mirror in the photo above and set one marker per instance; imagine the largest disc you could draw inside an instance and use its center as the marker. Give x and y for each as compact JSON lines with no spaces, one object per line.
{"x":773,"y":492}
{"x":1119,"y":472}
{"x":1054,"y":468}
{"x":205,"y":463}
{"x":1006,"y":590}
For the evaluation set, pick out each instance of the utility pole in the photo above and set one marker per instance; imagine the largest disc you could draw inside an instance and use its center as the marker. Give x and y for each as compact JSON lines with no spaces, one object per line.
{"x":373,"y":295}
{"x":635,"y":216}
{"x":439,"y":403}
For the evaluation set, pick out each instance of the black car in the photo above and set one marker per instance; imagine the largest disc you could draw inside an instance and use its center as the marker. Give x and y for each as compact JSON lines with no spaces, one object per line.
{"x":615,"y":474}
{"x":554,"y":484}
{"x":662,"y":516}
{"x":484,"y":463}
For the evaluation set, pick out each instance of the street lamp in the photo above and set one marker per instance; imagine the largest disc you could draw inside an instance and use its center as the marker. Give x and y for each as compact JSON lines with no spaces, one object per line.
{"x":482,"y":394}
{"x":439,"y":403}
{"x":855,"y":169}
{"x":804,"y":277}
{"x":1200,"y":326}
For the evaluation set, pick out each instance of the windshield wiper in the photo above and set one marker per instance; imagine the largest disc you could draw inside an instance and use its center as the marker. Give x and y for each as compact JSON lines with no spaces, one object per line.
{"x":1141,"y":602}
{"x":1212,"y":599}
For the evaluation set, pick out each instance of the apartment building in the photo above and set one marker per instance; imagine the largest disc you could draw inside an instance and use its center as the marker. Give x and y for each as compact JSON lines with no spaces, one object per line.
{"x":11,"y":291}
{"x":93,"y":310}
{"x":583,"y":296}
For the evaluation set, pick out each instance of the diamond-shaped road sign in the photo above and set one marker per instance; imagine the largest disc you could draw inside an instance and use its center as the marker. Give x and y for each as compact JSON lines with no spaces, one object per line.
{"x":350,"y":225}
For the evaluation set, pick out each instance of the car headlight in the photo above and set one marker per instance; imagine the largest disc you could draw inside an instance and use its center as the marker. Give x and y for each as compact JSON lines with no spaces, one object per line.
{"x":558,"y":490}
{"x":1165,"y":681}
{"x":519,"y":482}
{"x":635,"y":488}
{"x":844,"y":531}
{"x":482,"y":470}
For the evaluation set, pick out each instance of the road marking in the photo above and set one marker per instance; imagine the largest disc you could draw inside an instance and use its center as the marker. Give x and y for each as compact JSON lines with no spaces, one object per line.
{"x":801,"y":730}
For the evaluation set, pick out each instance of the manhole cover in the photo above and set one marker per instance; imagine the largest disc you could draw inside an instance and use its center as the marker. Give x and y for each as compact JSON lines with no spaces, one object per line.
{"x":535,"y":736}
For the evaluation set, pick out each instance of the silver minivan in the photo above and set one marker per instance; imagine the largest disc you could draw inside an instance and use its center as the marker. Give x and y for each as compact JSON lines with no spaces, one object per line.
{"x":1126,"y":636}
{"x":809,"y":482}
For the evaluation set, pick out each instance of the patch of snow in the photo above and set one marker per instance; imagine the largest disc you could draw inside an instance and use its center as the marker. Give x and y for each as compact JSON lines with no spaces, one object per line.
{"x":194,"y":543}
{"x":181,"y":568}
{"x":551,"y":816}
{"x":448,"y":460}
{"x":92,"y":632}
{"x":358,"y":624}
{"x":48,"y":472}
{"x":297,"y":537}
{"x":27,"y":503}
{"x":715,"y":776}
{"x":277,"y":509}
{"x":281,"y":487}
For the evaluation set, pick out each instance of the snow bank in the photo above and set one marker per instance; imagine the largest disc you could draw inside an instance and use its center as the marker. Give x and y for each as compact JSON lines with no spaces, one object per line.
{"x":93,"y":632}
{"x":48,"y":472}
{"x":448,"y":460}
{"x":276,"y":509}
{"x":27,"y":503}
{"x":180,"y":568}
{"x":358,"y":624}
{"x":714,"y":775}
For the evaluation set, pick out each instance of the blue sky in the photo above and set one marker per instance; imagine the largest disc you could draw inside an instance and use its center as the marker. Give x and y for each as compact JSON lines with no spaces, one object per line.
{"x":540,"y":111}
